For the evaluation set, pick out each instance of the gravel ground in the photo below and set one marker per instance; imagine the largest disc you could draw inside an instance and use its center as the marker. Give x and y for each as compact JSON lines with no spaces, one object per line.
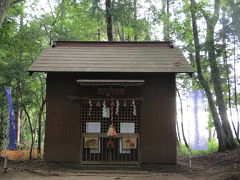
{"x":215,"y":166}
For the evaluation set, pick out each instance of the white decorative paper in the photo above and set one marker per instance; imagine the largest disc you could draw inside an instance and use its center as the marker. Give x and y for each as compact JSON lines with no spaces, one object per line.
{"x":127,"y":127}
{"x":93,"y":127}
{"x":106,"y":113}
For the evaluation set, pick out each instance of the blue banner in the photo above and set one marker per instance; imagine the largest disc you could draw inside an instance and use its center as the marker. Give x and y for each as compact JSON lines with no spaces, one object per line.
{"x":12,"y":129}
{"x":198,"y":121}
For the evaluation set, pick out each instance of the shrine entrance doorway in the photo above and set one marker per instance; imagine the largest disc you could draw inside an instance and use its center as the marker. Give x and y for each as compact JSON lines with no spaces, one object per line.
{"x":110,"y":129}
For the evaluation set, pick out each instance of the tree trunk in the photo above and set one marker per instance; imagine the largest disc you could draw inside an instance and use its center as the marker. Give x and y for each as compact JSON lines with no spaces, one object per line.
{"x":168,"y":16}
{"x":109,"y":20}
{"x":209,"y":134}
{"x":216,"y":80}
{"x":40,"y":127}
{"x":19,"y":84}
{"x":4,"y":6}
{"x":135,"y":20}
{"x":225,"y":61}
{"x":32,"y":133}
{"x":98,"y":30}
{"x":220,"y":133}
{"x":182,"y":128}
{"x":18,"y":116}
{"x":123,"y":32}
{"x":229,"y":88}
{"x":178,"y":133}
{"x":235,"y":90}
{"x":98,"y":34}
{"x":215,"y":74}
{"x":29,"y":122}
{"x":165,"y":6}
{"x":117,"y":30}
{"x":18,"y":126}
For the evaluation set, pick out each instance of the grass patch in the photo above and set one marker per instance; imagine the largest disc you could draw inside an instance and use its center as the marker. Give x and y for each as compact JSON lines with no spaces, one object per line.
{"x":212,"y":147}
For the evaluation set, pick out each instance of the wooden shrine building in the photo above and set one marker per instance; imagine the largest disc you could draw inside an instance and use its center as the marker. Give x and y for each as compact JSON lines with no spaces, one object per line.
{"x":111,"y":102}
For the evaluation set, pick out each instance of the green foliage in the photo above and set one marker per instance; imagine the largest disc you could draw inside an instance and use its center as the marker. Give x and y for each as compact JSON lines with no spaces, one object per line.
{"x":3,"y":131}
{"x":212,"y":147}
{"x":182,"y":150}
{"x":22,"y":40}
{"x":20,"y":44}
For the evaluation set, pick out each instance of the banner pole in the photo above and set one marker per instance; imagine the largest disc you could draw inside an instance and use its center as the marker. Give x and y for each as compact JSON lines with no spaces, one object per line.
{"x":190,"y":161}
{"x":7,"y":142}
{"x":5,"y":166}
{"x":189,"y":143}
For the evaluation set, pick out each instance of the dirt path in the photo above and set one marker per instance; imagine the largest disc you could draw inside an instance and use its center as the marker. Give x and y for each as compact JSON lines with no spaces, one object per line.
{"x":105,"y":176}
{"x":215,"y":166}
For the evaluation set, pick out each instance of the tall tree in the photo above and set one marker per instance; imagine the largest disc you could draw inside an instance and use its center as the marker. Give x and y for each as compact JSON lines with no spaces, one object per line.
{"x":226,"y":66}
{"x":182,"y":127}
{"x":222,"y":125}
{"x":19,"y":84}
{"x":235,"y":89}
{"x":202,"y":80}
{"x":215,"y":74}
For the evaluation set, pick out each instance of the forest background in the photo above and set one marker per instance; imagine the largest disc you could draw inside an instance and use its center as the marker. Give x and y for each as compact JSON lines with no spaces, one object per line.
{"x":208,"y":31}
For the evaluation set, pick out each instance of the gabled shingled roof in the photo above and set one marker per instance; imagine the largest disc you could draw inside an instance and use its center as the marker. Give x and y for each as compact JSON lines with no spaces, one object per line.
{"x":70,"y":56}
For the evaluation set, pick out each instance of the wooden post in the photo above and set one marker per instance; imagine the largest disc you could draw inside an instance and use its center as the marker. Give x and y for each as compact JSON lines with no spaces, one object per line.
{"x":5,"y":166}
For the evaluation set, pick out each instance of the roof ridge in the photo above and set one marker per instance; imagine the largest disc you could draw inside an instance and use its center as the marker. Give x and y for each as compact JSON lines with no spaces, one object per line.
{"x":114,"y":43}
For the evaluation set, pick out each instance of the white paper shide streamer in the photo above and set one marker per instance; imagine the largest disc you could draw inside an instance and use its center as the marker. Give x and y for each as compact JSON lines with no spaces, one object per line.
{"x":134,"y":108}
{"x":104,"y":110}
{"x":117,"y":107}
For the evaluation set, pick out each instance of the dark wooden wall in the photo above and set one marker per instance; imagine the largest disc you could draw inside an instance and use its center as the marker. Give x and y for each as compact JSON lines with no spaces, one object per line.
{"x":62,"y":136}
{"x":158,"y":136}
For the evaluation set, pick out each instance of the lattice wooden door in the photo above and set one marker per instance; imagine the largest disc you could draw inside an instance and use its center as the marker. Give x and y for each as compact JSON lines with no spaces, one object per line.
{"x":97,"y":148}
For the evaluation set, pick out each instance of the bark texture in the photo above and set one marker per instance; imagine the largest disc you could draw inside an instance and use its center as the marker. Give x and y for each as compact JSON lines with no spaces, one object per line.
{"x":165,"y":8}
{"x":135,"y":20}
{"x":182,"y":128}
{"x":109,"y":20}
{"x":40,"y":114}
{"x":220,"y":132}
{"x":215,"y":75}
{"x":4,"y":6}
